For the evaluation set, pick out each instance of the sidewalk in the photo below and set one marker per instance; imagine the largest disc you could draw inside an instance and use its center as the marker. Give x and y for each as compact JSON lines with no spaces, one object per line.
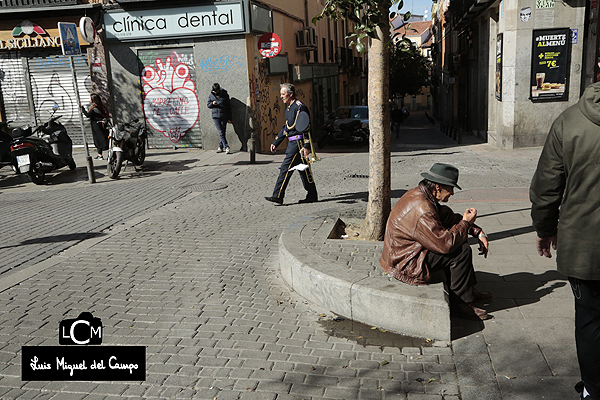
{"x":183,"y":259}
{"x":527,"y":350}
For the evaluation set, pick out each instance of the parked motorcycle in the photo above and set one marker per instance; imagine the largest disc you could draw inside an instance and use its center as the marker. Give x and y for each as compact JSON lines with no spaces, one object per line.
{"x":127,"y":142}
{"x":46,"y":148}
{"x":5,"y":139}
{"x":348,"y":133}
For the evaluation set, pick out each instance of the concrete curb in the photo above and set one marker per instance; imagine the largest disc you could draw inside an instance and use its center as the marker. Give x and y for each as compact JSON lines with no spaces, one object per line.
{"x":382,"y":301}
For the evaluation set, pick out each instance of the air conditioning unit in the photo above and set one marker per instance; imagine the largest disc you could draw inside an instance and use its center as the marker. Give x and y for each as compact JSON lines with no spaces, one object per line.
{"x":311,"y":36}
{"x":306,"y":39}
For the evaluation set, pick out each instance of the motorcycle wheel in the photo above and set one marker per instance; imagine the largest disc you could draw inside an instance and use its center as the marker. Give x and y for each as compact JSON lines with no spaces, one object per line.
{"x":114,"y":164}
{"x":36,"y":176}
{"x":364,"y":141}
{"x":71,"y":164}
{"x":140,"y":154}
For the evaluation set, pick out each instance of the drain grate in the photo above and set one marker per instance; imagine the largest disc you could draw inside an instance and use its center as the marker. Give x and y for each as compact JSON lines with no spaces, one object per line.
{"x":205,"y":187}
{"x":358,"y":176}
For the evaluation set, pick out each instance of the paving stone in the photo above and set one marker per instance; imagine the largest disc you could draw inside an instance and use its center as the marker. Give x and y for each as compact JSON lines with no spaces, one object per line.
{"x":200,"y":287}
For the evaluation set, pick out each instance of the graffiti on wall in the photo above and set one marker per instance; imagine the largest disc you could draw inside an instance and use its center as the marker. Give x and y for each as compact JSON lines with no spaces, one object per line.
{"x":214,"y":64}
{"x":170,"y":101}
{"x":269,"y":102}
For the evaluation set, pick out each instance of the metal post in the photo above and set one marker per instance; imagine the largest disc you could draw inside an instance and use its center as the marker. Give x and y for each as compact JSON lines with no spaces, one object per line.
{"x":88,"y":158}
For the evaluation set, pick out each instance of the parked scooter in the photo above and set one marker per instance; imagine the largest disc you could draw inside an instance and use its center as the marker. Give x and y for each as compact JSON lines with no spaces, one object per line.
{"x":43,"y":149}
{"x":127,"y":142}
{"x":348,"y":133}
{"x":5,"y":139}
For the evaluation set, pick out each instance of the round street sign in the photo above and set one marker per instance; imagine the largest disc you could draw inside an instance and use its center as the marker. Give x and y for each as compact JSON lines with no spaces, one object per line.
{"x":87,"y":29}
{"x":269,"y":45}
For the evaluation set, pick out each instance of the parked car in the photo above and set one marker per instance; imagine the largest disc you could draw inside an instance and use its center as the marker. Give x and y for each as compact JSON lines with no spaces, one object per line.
{"x":345,"y":114}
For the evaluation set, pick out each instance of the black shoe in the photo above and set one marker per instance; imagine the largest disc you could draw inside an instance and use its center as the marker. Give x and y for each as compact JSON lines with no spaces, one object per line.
{"x":308,"y":200}
{"x":579,"y":389}
{"x":274,"y":200}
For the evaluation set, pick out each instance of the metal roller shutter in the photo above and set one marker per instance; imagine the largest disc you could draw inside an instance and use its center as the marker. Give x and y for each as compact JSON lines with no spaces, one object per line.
{"x":52,"y":83}
{"x":14,"y":90}
{"x":169,"y":97}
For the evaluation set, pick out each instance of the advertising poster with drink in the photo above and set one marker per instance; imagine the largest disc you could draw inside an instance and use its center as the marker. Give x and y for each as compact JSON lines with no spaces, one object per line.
{"x":499,"y":67}
{"x":550,"y":64}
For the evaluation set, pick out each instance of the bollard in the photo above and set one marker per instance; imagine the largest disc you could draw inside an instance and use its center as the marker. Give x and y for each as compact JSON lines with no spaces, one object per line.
{"x":252,"y":150}
{"x":90,"y":169}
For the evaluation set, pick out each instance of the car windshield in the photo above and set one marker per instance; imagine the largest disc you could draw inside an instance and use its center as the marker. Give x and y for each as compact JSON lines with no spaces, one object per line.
{"x":360,"y":113}
{"x":355,"y":112}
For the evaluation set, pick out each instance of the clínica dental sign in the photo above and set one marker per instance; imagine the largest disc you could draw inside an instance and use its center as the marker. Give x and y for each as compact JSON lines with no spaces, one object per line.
{"x":217,"y":18}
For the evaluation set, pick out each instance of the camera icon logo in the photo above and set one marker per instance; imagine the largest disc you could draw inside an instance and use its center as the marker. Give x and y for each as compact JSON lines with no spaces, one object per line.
{"x":85,"y":329}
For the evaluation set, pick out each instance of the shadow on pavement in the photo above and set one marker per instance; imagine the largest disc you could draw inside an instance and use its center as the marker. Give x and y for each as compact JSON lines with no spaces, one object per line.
{"x":168,"y":166}
{"x":58,"y":238}
{"x":351,"y":198}
{"x":510,"y":291}
{"x":11,"y":179}
{"x":503,"y":212}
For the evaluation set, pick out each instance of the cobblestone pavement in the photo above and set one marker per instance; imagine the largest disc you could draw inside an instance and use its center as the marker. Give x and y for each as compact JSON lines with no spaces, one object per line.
{"x":182,"y":259}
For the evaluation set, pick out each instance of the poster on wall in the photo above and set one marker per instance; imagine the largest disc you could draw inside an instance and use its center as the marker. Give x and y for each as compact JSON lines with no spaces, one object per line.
{"x":499,"y":67}
{"x":550,"y":60}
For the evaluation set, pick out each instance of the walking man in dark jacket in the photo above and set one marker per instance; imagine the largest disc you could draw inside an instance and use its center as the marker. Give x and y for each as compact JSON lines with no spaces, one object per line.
{"x":296,"y":129}
{"x":218,"y":102}
{"x":567,"y":182}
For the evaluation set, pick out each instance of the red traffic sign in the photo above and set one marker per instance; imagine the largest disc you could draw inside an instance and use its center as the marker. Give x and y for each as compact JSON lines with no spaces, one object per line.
{"x":269,"y":45}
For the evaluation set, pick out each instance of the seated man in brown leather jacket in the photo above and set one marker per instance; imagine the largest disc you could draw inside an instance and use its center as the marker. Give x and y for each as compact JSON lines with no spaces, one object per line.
{"x":423,"y":236}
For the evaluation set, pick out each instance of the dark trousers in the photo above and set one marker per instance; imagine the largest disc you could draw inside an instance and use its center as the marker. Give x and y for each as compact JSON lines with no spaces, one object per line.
{"x":587,"y":332}
{"x":100,"y":136}
{"x":221,"y":125}
{"x":291,"y":160}
{"x":458,"y":267}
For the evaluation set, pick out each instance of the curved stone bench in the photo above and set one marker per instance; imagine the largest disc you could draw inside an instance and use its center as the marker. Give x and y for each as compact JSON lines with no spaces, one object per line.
{"x":342,"y":275}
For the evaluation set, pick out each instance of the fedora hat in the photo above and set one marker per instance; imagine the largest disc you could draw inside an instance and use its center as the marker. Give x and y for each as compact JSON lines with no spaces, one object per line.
{"x":444,"y":174}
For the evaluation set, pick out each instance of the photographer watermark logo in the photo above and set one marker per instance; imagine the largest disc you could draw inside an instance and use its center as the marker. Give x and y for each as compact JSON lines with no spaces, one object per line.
{"x":76,"y":359}
{"x":85,"y":329}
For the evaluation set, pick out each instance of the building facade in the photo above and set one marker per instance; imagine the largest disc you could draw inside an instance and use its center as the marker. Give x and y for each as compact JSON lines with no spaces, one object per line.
{"x":158,"y":62}
{"x":505,"y":69}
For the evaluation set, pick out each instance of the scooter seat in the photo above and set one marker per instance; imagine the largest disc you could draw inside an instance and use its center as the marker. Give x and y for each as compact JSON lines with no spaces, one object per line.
{"x":21,"y":132}
{"x":350,"y":125}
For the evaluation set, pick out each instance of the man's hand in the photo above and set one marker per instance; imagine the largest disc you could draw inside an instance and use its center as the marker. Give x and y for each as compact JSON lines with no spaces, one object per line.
{"x":470,"y":215}
{"x":305,"y":152}
{"x":273,"y":148}
{"x":484,"y":245}
{"x":543,"y":245}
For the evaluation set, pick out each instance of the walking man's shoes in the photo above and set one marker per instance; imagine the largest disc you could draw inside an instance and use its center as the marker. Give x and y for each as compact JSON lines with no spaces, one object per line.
{"x":274,"y":200}
{"x":308,"y":200}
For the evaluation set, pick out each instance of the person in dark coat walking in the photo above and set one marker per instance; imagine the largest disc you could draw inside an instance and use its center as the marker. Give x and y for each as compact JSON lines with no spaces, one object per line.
{"x":565,"y":211}
{"x":219,"y":103}
{"x":296,"y":129}
{"x":97,"y":113}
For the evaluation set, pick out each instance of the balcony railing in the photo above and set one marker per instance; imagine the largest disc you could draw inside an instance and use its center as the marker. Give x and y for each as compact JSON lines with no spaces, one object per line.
{"x":35,"y":3}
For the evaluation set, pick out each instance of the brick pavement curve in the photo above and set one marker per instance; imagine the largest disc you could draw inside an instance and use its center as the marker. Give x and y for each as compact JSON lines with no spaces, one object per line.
{"x":196,"y":281}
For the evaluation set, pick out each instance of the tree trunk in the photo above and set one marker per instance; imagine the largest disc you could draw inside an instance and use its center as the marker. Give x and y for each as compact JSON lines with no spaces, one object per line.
{"x":379,"y":204}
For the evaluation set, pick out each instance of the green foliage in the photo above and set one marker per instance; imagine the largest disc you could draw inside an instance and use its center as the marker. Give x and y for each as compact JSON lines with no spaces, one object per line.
{"x":365,"y":14}
{"x":409,"y":70}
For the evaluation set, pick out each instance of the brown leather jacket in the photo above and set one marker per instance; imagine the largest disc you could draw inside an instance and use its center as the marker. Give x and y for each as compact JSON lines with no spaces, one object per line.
{"x":416,"y":225}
